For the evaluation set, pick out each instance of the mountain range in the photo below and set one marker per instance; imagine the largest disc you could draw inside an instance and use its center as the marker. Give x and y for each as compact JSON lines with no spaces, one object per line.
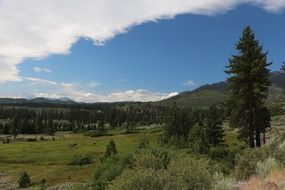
{"x":201,"y":97}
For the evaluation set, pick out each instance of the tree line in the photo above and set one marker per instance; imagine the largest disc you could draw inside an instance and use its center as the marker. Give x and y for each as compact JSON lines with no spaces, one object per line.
{"x":37,"y":120}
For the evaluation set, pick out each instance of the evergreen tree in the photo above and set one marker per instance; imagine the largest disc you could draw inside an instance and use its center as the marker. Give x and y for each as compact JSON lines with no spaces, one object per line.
{"x":177,"y":126}
{"x":213,"y":122}
{"x":248,"y":86}
{"x":111,"y":150}
{"x":198,"y":139}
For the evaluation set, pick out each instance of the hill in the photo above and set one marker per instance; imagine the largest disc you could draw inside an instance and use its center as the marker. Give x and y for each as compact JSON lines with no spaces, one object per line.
{"x":217,"y":92}
{"x":203,"y":96}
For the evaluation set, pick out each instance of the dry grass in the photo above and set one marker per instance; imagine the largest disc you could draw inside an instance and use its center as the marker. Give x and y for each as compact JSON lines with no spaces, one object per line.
{"x":275,"y":180}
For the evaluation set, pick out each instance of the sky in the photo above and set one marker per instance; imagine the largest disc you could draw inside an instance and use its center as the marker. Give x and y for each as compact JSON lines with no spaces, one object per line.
{"x":142,"y":50}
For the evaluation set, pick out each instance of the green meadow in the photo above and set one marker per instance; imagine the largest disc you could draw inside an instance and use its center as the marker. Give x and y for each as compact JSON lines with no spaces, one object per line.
{"x":50,"y":160}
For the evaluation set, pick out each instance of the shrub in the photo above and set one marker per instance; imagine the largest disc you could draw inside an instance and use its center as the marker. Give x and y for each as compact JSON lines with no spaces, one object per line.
{"x":6,"y":141}
{"x":108,"y":170}
{"x":190,"y":173}
{"x":224,"y":157}
{"x":31,"y":140}
{"x":111,"y":150}
{"x":81,"y":160}
{"x":246,"y":162}
{"x":153,"y":159}
{"x":144,"y":143}
{"x":264,"y":168}
{"x":96,"y":133}
{"x":183,"y":172}
{"x":279,"y":154}
{"x":223,"y":183}
{"x":144,"y":179}
{"x":24,"y":180}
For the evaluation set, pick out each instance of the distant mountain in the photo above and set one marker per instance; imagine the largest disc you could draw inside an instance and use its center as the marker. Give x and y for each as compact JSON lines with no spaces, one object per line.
{"x":203,"y":96}
{"x":63,"y":101}
{"x":214,"y":93}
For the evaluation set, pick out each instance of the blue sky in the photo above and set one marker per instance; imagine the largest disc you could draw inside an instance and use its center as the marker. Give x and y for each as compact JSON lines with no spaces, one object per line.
{"x":150,"y":61}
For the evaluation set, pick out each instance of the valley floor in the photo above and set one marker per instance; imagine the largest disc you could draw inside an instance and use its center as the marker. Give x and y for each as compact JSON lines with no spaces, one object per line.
{"x":50,"y":159}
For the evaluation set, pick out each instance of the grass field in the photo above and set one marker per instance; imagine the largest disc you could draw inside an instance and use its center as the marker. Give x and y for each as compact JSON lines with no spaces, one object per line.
{"x":50,"y":160}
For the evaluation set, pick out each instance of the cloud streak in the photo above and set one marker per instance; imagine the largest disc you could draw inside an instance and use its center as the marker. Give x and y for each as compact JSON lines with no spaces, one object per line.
{"x":189,"y":83}
{"x":41,"y":70}
{"x":37,"y":87}
{"x":36,"y":29}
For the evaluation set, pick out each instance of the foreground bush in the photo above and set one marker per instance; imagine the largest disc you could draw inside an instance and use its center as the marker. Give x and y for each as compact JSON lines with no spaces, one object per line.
{"x":223,"y":183}
{"x":246,"y":162}
{"x":152,"y":159}
{"x":108,"y":170}
{"x":267,"y":166}
{"x":182,"y":172}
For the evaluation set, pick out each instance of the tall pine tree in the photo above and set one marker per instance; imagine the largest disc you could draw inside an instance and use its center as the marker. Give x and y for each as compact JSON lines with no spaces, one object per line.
{"x":213,"y":122}
{"x":248,"y":87}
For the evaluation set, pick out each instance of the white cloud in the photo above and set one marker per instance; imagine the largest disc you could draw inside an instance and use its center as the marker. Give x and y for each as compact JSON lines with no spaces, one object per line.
{"x":39,"y":28}
{"x":189,"y":83}
{"x":142,"y":95}
{"x":36,"y":87}
{"x":37,"y":81}
{"x":41,"y":69}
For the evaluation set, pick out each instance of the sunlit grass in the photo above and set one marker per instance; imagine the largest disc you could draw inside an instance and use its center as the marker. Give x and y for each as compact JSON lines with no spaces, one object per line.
{"x":50,"y":159}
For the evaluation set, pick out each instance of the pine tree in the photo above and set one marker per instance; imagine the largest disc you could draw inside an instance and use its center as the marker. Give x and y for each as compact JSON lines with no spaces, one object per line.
{"x":248,"y":86}
{"x":213,"y":122}
{"x":198,"y":139}
{"x":177,"y":126}
{"x":111,"y":150}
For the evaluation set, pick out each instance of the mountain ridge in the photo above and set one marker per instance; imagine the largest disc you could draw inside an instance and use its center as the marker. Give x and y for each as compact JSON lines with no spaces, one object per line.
{"x":202,"y":96}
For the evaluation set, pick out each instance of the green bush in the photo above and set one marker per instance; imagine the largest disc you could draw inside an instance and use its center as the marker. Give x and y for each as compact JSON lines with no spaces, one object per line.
{"x":24,"y":180}
{"x":152,"y":159}
{"x":144,"y":179}
{"x":182,"y":172}
{"x":81,"y":160}
{"x":111,"y":150}
{"x":144,"y":143}
{"x":224,"y":157}
{"x":190,"y":172}
{"x":108,"y":170}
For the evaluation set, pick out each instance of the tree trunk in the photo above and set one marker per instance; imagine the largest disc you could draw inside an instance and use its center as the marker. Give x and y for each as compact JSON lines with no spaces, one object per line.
{"x":251,"y":138}
{"x":251,"y":124}
{"x":257,"y":137}
{"x":264,"y":138}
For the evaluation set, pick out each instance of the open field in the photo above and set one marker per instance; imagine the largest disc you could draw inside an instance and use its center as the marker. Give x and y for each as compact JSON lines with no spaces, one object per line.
{"x":50,"y":160}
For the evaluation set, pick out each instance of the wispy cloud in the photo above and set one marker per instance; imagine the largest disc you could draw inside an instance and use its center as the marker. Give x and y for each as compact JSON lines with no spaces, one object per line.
{"x":142,"y":95}
{"x":41,"y":70}
{"x":37,"y":29}
{"x":36,"y":87}
{"x":123,"y":80}
{"x":189,"y":83}
{"x":94,"y":84}
{"x":38,"y":81}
